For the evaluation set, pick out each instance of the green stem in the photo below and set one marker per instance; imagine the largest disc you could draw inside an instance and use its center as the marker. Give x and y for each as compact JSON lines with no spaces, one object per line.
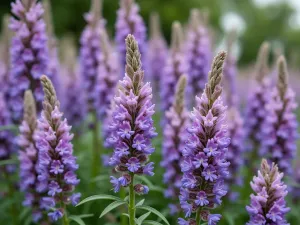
{"x":11,"y":194}
{"x":122,"y":196}
{"x":131,"y":202}
{"x":65,"y":220}
{"x":96,"y":148}
{"x":198,"y":218}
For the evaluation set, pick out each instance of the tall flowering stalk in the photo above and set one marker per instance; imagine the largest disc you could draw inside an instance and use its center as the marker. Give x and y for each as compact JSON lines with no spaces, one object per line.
{"x":204,"y":164}
{"x":129,"y":21}
{"x":279,"y":129}
{"x":177,"y":120}
{"x":56,"y":163}
{"x":198,"y":53}
{"x":132,"y":128}
{"x":267,"y":204}
{"x":236,"y":130}
{"x":257,"y":100}
{"x":176,"y":65}
{"x":29,"y":54}
{"x":156,"y":61}
{"x":108,"y":75}
{"x":28,"y":156}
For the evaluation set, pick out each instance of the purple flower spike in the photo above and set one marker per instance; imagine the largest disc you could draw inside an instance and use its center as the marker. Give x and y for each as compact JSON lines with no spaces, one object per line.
{"x":91,"y":53}
{"x":56,"y":163}
{"x":258,"y":98}
{"x":156,"y":62}
{"x":279,"y":129}
{"x":204,"y":164}
{"x":129,"y":22}
{"x":131,"y":128}
{"x":174,"y":139}
{"x":29,"y":54}
{"x":267,"y":204}
{"x":198,"y":53}
{"x":176,"y":65}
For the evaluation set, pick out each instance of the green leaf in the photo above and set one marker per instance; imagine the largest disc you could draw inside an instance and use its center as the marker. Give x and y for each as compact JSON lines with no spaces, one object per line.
{"x":229,"y":218}
{"x":154,"y":211}
{"x":85,"y":215}
{"x":12,"y":128}
{"x":100,"y":178}
{"x":125,"y":214}
{"x":8,"y":162}
{"x":142,"y":218}
{"x":23,"y":213}
{"x":150,"y":222}
{"x":77,"y":219}
{"x":99,"y":197}
{"x":112,"y":206}
{"x":140,"y":203}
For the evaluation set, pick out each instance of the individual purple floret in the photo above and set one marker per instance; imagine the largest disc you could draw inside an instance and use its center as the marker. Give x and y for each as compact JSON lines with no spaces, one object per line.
{"x":204,"y":164}
{"x":255,"y":111}
{"x":176,"y":65}
{"x":198,"y":53}
{"x":56,"y":163}
{"x":28,"y":156}
{"x":267,"y":204}
{"x":129,"y":22}
{"x":91,"y":53}
{"x":177,"y":119}
{"x":29,"y":54}
{"x":279,"y":128}
{"x":6,"y":137}
{"x":157,"y":44}
{"x":108,"y":75}
{"x":132,"y":124}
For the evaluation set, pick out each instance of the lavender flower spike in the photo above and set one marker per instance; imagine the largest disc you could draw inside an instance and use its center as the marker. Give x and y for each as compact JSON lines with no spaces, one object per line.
{"x":157,"y":43}
{"x":268,"y":205}
{"x":108,"y":75}
{"x":132,"y":125}
{"x":204,"y":164}
{"x":129,"y":22}
{"x":29,"y":54}
{"x":279,"y":128}
{"x":28,"y":156}
{"x":56,"y":163}
{"x":176,"y":65}
{"x":174,"y":138}
{"x":90,"y":52}
{"x":255,"y":111}
{"x":198,"y":53}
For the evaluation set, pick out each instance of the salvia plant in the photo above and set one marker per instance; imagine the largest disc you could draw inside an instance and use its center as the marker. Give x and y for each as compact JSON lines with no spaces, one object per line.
{"x":279,"y":129}
{"x":268,"y":204}
{"x":204,"y":164}
{"x":177,"y":120}
{"x":56,"y":164}
{"x":176,"y":65}
{"x":29,"y":54}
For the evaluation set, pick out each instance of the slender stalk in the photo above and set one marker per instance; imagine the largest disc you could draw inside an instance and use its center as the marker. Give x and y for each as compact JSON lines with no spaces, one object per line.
{"x":11,"y":193}
{"x":198,"y":218}
{"x":122,"y":196}
{"x":65,"y":220}
{"x":131,"y":202}
{"x":96,"y":147}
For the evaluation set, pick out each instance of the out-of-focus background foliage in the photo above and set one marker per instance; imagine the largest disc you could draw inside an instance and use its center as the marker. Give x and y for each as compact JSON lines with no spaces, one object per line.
{"x":277,"y":21}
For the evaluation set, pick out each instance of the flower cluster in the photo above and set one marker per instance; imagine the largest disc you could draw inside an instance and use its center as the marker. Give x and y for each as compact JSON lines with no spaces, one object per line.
{"x":29,"y":54}
{"x":279,"y":129}
{"x":176,"y":65}
{"x":28,"y":156}
{"x":90,"y":53}
{"x":204,"y":164}
{"x":108,"y":74}
{"x":156,"y":61}
{"x":6,"y":136}
{"x":174,"y":138}
{"x":198,"y":53}
{"x":56,"y":163}
{"x":132,"y":124}
{"x":268,"y":205}
{"x":255,"y":111}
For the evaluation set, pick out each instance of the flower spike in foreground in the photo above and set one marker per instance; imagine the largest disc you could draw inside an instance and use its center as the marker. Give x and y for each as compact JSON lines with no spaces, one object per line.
{"x":204,"y":164}
{"x":56,"y":163}
{"x":268,"y":205}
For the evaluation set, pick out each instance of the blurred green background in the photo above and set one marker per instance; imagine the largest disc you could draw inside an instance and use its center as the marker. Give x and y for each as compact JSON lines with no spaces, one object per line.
{"x":277,"y":21}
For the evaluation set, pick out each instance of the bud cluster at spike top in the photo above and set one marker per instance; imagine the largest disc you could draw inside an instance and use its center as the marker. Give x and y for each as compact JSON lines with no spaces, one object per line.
{"x":204,"y":164}
{"x":29,"y":54}
{"x":56,"y":163}
{"x":132,"y":125}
